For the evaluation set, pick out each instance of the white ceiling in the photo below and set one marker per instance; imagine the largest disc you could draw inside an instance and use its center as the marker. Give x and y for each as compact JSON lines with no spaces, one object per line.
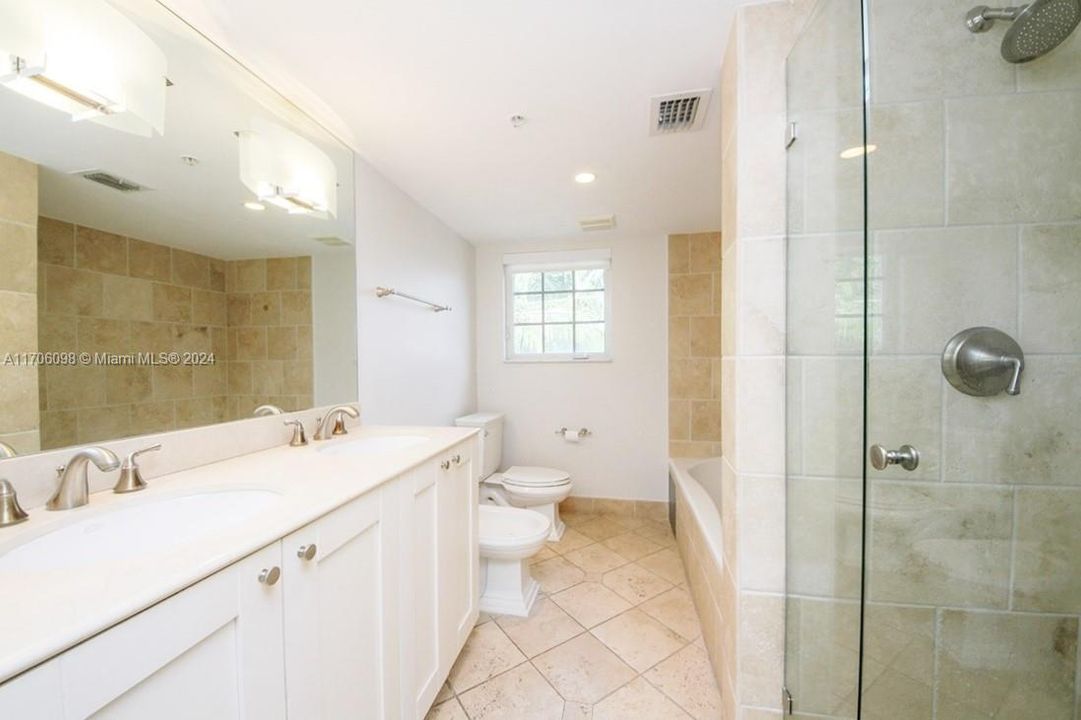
{"x":423,"y":89}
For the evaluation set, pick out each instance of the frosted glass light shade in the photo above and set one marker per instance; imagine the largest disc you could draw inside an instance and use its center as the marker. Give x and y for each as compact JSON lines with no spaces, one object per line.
{"x":85,"y":58}
{"x":285,"y":170}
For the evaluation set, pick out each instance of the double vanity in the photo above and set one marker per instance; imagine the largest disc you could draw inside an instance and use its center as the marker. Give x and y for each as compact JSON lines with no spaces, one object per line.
{"x":332,"y":580}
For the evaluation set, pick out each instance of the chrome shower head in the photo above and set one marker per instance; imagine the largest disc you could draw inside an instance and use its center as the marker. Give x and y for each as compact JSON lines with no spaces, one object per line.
{"x":1038,"y":28}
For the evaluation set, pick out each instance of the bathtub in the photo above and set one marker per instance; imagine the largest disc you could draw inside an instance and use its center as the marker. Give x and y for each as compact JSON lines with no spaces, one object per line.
{"x":695,"y":490}
{"x":697,"y":483}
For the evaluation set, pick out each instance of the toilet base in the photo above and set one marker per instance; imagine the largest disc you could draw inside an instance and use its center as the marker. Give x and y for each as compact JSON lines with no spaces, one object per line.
{"x":508,"y":589}
{"x":551,"y":511}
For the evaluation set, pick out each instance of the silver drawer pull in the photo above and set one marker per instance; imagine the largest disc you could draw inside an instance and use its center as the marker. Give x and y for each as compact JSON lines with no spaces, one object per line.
{"x":307,"y":552}
{"x":270,"y":576}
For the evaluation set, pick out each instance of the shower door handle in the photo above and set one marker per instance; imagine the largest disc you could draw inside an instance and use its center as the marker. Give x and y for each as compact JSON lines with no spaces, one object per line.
{"x":907,"y":457}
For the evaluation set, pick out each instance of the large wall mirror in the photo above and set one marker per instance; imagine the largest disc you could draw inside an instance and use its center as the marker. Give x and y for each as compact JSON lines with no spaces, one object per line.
{"x":177,"y":240}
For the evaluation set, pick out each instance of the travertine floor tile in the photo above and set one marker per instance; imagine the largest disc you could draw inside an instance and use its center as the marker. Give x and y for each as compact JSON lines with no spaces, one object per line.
{"x":445,"y":693}
{"x":595,"y":558}
{"x":637,"y":700}
{"x":667,"y":564}
{"x":635,"y":584}
{"x":590,"y":603}
{"x":487,"y":652}
{"x":547,"y":626}
{"x":638,"y":640}
{"x":521,"y":694}
{"x":447,"y":710}
{"x":571,"y":540}
{"x":687,"y":678}
{"x":544,"y":553}
{"x":602,"y":528}
{"x":574,"y":519}
{"x":577,"y":711}
{"x":583,"y":669}
{"x":631,"y":545}
{"x":675,"y":609}
{"x":556,"y":574}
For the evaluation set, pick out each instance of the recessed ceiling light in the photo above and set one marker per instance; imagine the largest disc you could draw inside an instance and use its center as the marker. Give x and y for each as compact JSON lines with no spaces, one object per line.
{"x":584,"y":178}
{"x":855,"y":152}
{"x":252,"y":205}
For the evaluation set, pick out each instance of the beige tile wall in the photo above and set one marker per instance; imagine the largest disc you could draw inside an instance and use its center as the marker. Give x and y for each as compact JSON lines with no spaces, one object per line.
{"x":694,"y":345}
{"x":103,"y":293}
{"x":19,"y":415}
{"x":270,"y":334}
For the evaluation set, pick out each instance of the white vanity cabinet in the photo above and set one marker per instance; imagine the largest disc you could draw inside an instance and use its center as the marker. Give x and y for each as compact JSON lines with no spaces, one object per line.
{"x":439,"y":609}
{"x":359,"y":614}
{"x":339,"y":619}
{"x":213,"y":650}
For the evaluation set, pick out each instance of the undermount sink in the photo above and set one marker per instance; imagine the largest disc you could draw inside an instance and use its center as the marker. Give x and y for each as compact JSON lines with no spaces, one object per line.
{"x":137,"y":530}
{"x":374,"y":445}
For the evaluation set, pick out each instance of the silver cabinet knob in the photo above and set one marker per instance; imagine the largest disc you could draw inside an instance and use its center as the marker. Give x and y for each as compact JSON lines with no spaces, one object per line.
{"x":306,"y":552}
{"x":907,"y":457}
{"x":270,"y":576}
{"x":457,"y":459}
{"x":445,"y":464}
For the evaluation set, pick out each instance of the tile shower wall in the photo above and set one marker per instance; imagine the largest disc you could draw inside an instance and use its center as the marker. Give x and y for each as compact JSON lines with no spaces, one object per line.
{"x":743,"y":601}
{"x":19,"y":416}
{"x":694,"y":345}
{"x":103,"y":293}
{"x":270,"y":334}
{"x":975,"y":217}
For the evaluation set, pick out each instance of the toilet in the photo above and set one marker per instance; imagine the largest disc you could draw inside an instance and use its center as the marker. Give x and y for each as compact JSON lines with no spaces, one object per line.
{"x":508,"y":537}
{"x":524,"y":486}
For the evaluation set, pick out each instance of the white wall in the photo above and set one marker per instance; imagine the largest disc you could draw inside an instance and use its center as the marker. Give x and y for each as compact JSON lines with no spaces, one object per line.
{"x":624,"y":402}
{"x":415,"y":366}
{"x":334,"y":309}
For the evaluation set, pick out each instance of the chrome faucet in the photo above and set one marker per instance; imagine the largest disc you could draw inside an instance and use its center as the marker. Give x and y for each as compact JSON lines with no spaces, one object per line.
{"x":6,"y":451}
{"x":74,"y":488}
{"x":335,"y":414}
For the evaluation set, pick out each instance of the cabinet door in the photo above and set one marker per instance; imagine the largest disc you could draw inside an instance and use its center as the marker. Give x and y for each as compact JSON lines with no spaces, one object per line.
{"x":340,"y":654}
{"x":211,"y":651}
{"x":459,"y":556}
{"x":421,"y":677}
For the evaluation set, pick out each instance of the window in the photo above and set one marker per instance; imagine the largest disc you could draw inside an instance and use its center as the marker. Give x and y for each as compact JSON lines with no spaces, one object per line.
{"x":557,"y":306}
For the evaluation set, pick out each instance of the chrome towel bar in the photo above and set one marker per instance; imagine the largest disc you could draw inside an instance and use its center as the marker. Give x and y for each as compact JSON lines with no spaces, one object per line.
{"x":383,"y":292}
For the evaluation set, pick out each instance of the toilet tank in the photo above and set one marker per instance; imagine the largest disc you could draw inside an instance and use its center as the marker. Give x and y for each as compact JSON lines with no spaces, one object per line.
{"x":491,"y":439}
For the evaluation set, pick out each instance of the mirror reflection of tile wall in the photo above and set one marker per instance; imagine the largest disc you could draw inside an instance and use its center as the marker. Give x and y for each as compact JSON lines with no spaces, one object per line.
{"x":246,"y":325}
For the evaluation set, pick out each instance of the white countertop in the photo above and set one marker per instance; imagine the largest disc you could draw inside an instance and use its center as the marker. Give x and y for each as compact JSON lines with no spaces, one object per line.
{"x":43,"y":613}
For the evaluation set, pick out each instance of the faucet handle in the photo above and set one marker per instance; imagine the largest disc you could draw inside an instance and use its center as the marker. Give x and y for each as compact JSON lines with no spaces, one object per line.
{"x":10,"y":511}
{"x":131,"y":477}
{"x":299,"y":438}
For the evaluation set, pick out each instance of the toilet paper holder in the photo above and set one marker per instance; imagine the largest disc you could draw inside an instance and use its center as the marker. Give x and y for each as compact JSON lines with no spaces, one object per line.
{"x":582,"y":432}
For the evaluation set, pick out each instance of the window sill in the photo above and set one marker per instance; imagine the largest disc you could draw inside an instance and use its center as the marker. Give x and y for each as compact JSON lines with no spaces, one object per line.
{"x":558,"y":359}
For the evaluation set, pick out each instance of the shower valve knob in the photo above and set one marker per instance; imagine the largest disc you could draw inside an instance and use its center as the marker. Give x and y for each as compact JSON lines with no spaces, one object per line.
{"x":907,"y":457}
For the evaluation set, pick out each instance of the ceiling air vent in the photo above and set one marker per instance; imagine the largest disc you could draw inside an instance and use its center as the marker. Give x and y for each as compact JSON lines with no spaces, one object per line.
{"x":678,"y":112}
{"x":331,"y":241}
{"x":112,"y":181}
{"x":598,"y":223}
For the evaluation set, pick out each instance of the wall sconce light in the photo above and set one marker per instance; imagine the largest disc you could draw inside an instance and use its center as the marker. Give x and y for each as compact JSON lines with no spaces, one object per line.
{"x":287,"y":171}
{"x":84,"y":58}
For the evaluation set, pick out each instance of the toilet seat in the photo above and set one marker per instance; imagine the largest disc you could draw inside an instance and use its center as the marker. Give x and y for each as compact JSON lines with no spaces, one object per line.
{"x":537,"y":477}
{"x":509,"y":532}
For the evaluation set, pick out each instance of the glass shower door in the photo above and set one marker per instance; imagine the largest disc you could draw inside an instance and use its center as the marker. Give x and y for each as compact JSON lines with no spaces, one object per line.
{"x":973,"y":549}
{"x":824,"y":362}
{"x":934,"y":363}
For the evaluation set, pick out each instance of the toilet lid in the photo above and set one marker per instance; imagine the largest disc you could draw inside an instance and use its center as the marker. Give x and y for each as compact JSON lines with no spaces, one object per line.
{"x":535,"y":476}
